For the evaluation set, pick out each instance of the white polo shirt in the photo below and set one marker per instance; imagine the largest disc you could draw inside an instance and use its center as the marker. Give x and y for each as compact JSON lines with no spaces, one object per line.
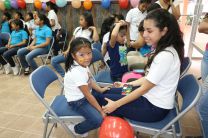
{"x":134,"y":17}
{"x":175,"y":3}
{"x":52,"y":16}
{"x":77,"y":76}
{"x":164,"y":72}
{"x":86,"y":33}
{"x":105,"y":40}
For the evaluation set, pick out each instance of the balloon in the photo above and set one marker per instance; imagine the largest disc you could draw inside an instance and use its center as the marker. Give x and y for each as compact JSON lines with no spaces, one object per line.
{"x":7,"y":4}
{"x":14,"y":4}
{"x":61,"y":3}
{"x":105,"y":4}
{"x":21,"y":4}
{"x":123,"y":4}
{"x":53,"y":1}
{"x":115,"y":127}
{"x":38,"y":4}
{"x":87,"y":4}
{"x":2,"y":7}
{"x":44,"y":5}
{"x":134,"y":3}
{"x":76,"y":4}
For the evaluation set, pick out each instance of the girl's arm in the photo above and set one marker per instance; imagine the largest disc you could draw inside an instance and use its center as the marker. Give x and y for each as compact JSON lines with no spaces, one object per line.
{"x":115,"y":33}
{"x":91,"y":99}
{"x":175,"y":10}
{"x":65,"y":53}
{"x":21,"y":43}
{"x":95,"y":36}
{"x":139,"y":42}
{"x":48,"y":40}
{"x":144,"y":88}
{"x":33,"y":42}
{"x":52,"y":22}
{"x":104,"y":49}
{"x":97,"y":88}
{"x":203,"y":26}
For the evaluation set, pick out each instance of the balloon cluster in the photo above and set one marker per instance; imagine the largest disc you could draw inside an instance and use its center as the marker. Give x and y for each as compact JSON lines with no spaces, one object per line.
{"x":8,"y":4}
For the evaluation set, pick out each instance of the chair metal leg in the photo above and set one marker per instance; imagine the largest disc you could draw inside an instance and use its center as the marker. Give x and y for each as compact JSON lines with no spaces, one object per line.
{"x":45,"y":128}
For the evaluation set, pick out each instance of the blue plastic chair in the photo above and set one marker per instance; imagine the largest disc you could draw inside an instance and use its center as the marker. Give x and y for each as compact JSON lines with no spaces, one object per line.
{"x":190,"y":91}
{"x":185,"y":65}
{"x":102,"y":77}
{"x":97,"y":45}
{"x":58,"y":111}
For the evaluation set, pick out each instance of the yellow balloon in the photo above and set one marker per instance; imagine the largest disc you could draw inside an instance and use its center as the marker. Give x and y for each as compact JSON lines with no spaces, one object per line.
{"x":2,"y":7}
{"x":76,"y":4}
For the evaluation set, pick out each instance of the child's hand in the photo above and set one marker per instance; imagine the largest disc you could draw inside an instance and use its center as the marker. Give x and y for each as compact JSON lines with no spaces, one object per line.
{"x":105,"y":88}
{"x":122,"y":22}
{"x":118,"y":84}
{"x":92,"y":28}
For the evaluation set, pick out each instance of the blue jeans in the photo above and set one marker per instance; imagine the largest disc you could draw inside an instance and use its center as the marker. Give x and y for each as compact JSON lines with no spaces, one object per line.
{"x":27,"y":57}
{"x":204,"y":66}
{"x":202,"y":109}
{"x":139,"y":110}
{"x":93,"y":118}
{"x":56,"y":61}
{"x":9,"y":54}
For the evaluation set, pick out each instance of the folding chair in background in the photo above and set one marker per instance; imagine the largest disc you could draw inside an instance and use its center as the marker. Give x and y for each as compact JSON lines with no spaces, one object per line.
{"x":185,"y":65}
{"x":58,"y":111}
{"x":190,"y":91}
{"x":50,"y":53}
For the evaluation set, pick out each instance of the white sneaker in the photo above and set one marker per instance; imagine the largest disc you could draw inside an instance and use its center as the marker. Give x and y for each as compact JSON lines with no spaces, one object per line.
{"x":7,"y":68}
{"x":15,"y":70}
{"x":71,"y":127}
{"x":2,"y":71}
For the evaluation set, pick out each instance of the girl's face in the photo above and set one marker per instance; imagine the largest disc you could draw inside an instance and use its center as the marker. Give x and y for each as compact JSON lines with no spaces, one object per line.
{"x":16,"y":16}
{"x":27,"y":17}
{"x":37,"y":20}
{"x":166,"y":1}
{"x":83,"y":56}
{"x":82,"y":21}
{"x":3,"y":18}
{"x":14,"y":26}
{"x":143,"y":7}
{"x":35,"y":15}
{"x":121,"y":37}
{"x":152,"y":34}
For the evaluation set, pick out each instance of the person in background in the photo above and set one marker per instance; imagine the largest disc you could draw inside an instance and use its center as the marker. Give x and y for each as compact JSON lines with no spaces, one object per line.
{"x":5,"y":26}
{"x":40,"y":45}
{"x":134,"y":17}
{"x":172,"y":6}
{"x":202,"y":106}
{"x":17,"y":40}
{"x":30,"y":25}
{"x":52,"y":10}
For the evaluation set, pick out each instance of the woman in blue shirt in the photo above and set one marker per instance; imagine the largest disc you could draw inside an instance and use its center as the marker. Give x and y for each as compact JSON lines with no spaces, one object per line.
{"x":17,"y":40}
{"x":4,"y":26}
{"x":39,"y":46}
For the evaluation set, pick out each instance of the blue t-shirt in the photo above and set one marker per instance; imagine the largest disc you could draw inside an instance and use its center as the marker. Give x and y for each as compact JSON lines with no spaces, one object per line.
{"x":145,"y":50}
{"x":118,"y":62}
{"x":41,"y":33}
{"x":5,"y":27}
{"x":18,"y":36}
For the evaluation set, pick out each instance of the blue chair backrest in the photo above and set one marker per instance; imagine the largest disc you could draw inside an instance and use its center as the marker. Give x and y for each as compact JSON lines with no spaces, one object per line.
{"x":189,"y":89}
{"x":41,"y":78}
{"x":185,"y":65}
{"x":96,"y":55}
{"x":97,"y":45}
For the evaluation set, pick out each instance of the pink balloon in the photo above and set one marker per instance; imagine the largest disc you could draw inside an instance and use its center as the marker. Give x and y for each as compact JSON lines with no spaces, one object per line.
{"x":44,"y":5}
{"x":134,"y":3}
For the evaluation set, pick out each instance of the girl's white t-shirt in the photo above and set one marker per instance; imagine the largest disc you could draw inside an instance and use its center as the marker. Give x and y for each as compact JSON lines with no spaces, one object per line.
{"x":52,"y":16}
{"x":86,"y":33}
{"x":164,"y":72}
{"x":75,"y":77}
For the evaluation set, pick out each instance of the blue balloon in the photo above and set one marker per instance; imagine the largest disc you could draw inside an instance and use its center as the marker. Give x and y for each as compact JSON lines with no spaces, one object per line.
{"x":61,"y":3}
{"x":105,"y":4}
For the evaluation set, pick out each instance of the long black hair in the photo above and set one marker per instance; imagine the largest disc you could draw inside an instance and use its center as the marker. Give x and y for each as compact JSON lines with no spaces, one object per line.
{"x":89,"y":19}
{"x":173,"y":36}
{"x":52,"y":6}
{"x":45,"y":20}
{"x":75,"y":46}
{"x":19,"y":14}
{"x":18,"y":23}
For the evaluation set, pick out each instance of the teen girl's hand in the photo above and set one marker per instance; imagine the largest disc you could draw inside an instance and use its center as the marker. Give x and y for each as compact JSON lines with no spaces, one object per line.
{"x":118,"y":84}
{"x":92,"y":28}
{"x":65,"y":53}
{"x":105,"y":88}
{"x":31,"y":48}
{"x":122,"y":22}
{"x":110,"y":107}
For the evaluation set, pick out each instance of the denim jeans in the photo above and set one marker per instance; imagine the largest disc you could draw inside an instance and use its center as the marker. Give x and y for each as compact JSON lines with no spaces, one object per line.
{"x":139,"y":110}
{"x":27,"y":57}
{"x":55,"y":62}
{"x":93,"y":118}
{"x":202,"y":109}
{"x":2,"y":60}
{"x":9,"y":54}
{"x":204,"y":66}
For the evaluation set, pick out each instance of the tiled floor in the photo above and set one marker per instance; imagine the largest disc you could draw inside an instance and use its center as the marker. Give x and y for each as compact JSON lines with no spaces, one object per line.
{"x":20,"y":111}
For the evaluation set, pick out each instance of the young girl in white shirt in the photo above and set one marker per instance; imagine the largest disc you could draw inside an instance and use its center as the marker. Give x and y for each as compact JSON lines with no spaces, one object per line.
{"x":78,"y":86}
